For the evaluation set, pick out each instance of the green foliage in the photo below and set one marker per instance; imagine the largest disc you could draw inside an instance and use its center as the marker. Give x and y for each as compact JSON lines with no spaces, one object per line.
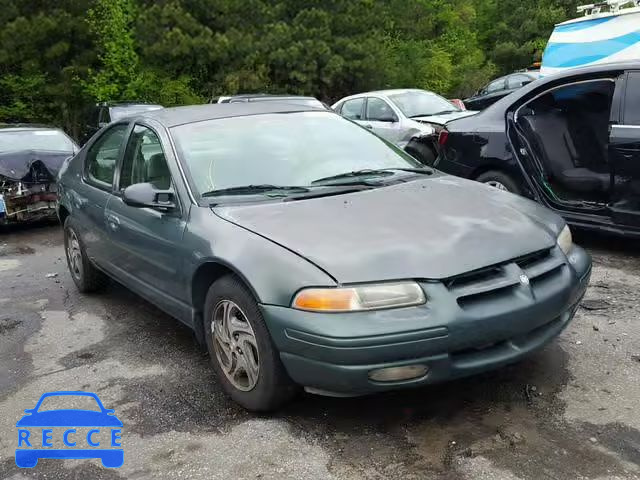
{"x":110,"y":21}
{"x":58,"y":58}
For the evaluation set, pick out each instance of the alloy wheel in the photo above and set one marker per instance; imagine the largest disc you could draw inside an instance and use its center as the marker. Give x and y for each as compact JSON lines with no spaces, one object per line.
{"x":74,"y":255}
{"x":497,"y":184}
{"x":235,"y":345}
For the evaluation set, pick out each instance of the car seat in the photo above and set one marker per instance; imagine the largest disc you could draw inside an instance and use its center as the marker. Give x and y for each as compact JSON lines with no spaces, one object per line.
{"x":552,"y":140}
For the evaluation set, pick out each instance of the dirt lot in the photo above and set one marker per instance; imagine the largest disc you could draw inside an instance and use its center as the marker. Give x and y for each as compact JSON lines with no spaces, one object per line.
{"x":570,"y":411}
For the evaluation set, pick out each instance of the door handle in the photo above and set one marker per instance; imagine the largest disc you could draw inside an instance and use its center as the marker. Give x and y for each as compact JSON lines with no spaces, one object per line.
{"x":369,"y":126}
{"x":113,"y":222}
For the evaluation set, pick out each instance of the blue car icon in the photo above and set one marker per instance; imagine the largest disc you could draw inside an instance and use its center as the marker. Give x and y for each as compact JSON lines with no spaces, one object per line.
{"x":104,"y":419}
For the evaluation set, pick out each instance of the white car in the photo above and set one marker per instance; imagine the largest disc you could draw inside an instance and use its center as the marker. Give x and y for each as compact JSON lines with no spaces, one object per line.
{"x":409,"y":118}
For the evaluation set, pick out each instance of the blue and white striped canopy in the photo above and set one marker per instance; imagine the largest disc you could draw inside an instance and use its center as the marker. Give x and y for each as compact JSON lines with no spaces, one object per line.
{"x":593,"y":41}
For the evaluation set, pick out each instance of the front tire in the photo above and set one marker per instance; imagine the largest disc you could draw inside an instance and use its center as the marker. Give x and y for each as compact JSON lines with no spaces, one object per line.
{"x":84,"y":274}
{"x":425,"y":154}
{"x":244,"y":358}
{"x":500,"y":180}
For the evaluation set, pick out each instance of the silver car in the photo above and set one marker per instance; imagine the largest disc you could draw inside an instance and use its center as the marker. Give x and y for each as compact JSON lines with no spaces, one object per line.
{"x":409,"y":118}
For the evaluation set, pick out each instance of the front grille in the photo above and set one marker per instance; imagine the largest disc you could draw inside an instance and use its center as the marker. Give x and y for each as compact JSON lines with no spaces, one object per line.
{"x":500,"y":281}
{"x":532,"y":259}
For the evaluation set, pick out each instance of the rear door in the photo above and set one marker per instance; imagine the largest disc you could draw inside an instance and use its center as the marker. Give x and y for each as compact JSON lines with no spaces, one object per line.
{"x":353,"y":109}
{"x":94,"y":190}
{"x":624,"y":139}
{"x":148,"y":253}
{"x":382,"y":119}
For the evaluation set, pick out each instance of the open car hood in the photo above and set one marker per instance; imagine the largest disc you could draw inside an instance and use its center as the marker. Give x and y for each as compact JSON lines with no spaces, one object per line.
{"x":18,"y":166}
{"x":430,"y":228}
{"x":443,"y":119}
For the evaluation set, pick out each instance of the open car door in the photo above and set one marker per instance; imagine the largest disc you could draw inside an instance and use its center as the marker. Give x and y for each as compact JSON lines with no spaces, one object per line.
{"x":624,"y":151}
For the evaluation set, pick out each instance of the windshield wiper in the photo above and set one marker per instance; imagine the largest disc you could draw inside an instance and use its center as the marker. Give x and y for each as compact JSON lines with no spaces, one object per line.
{"x":371,"y":172}
{"x":249,"y":189}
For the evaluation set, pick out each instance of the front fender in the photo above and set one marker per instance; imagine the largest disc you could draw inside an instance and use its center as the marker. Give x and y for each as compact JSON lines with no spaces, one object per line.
{"x":272,"y":272}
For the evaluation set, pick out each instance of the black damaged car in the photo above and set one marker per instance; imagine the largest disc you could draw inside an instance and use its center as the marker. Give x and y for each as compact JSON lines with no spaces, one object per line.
{"x":571,"y":141}
{"x":30,"y":158}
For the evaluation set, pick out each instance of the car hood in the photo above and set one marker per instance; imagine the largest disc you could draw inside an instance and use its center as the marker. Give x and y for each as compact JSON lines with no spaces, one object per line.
{"x":430,"y":228}
{"x":442,"y":119}
{"x":69,"y":418}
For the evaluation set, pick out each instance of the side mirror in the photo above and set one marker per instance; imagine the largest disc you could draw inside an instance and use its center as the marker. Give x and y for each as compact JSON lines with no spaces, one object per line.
{"x":29,"y":410}
{"x":145,"y":195}
{"x":102,"y":124}
{"x":388,"y":119}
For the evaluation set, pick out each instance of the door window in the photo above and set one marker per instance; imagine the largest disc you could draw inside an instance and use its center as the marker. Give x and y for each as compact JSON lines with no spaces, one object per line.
{"x":352,"y":109}
{"x":632,"y":99}
{"x":518,"y":81}
{"x":144,"y":160}
{"x":103,"y":155}
{"x":495,"y":86}
{"x":379,"y":110}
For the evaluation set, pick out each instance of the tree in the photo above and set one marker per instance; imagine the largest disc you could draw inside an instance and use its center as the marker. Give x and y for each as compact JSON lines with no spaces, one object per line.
{"x":58,"y":58}
{"x":111,"y":21}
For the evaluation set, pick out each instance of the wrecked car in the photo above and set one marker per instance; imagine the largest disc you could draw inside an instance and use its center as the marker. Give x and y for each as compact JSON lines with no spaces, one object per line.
{"x":305,"y":251}
{"x":30,"y":159}
{"x":571,"y":141}
{"x":408,"y":118}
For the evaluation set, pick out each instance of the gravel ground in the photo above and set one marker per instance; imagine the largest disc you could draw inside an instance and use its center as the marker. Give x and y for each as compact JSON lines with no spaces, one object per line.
{"x":569,"y":411}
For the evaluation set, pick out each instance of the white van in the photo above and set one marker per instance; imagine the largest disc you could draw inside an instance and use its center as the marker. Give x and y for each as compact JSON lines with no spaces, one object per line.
{"x":608,"y":32}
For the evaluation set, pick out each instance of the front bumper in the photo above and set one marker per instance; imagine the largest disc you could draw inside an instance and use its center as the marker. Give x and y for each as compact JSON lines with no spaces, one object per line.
{"x":463,"y":329}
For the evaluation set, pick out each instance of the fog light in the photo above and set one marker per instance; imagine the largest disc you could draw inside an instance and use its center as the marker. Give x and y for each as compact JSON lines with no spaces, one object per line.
{"x":396,"y":374}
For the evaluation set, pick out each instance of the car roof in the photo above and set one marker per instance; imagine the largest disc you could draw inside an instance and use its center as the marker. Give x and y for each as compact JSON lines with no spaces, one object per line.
{"x":26,"y":126}
{"x":171,"y":117}
{"x":127,"y":104}
{"x":270,"y":95}
{"x":386,"y":93}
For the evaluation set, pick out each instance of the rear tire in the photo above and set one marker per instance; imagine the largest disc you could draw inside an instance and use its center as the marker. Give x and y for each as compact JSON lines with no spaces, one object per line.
{"x":244,"y":358}
{"x":500,"y":180}
{"x":84,"y":274}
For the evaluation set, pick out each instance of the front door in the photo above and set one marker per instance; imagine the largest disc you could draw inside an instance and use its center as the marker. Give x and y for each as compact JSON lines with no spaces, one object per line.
{"x":382,"y":120}
{"x":624,"y":140}
{"x":624,"y":153}
{"x":148,"y":252}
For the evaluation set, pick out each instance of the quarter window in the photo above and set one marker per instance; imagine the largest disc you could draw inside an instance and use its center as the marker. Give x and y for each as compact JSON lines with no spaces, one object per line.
{"x":352,"y":109}
{"x":103,"y":155}
{"x":144,"y":160}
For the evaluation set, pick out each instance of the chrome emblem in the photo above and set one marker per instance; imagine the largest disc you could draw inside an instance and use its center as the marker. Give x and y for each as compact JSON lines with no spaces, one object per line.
{"x":524,"y":280}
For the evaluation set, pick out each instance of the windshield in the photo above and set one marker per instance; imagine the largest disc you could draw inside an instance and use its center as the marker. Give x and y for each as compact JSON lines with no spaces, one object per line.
{"x":280,"y":149}
{"x":125,"y":111}
{"x":48,"y":140}
{"x":418,"y":103}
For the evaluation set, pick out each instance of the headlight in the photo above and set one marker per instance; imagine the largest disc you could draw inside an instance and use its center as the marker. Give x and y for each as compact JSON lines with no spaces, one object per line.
{"x":365,"y":297}
{"x":565,"y":241}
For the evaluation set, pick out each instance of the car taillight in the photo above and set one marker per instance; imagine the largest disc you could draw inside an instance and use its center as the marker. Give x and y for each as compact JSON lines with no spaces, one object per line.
{"x":443,"y":137}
